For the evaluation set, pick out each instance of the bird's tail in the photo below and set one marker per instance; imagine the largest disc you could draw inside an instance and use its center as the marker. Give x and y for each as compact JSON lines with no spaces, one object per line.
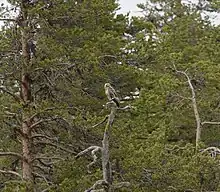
{"x":116,"y":101}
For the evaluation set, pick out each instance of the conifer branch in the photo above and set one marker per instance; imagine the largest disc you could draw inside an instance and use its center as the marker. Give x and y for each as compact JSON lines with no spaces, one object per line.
{"x":3,"y":89}
{"x":34,"y":125}
{"x":42,"y":176}
{"x":51,"y":109}
{"x":43,"y":163}
{"x":48,"y":158}
{"x":56,"y":146}
{"x":43,"y":136}
{"x":12,"y":173}
{"x":11,"y":154}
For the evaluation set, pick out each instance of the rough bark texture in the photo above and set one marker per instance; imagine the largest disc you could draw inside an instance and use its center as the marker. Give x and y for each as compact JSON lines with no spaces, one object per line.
{"x":27,"y":168}
{"x":106,"y":183}
{"x":106,"y":165}
{"x":27,"y":143}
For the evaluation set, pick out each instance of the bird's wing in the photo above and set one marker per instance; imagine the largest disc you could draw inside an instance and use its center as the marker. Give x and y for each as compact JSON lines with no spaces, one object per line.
{"x":113,"y":92}
{"x":108,"y":94}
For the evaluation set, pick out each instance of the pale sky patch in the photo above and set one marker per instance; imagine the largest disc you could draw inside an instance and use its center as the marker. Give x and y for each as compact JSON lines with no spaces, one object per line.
{"x":131,"y":6}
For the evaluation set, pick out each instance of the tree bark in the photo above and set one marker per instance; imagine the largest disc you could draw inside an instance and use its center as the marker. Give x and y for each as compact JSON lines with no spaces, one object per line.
{"x":27,"y":141}
{"x":195,"y":108}
{"x":106,"y":165}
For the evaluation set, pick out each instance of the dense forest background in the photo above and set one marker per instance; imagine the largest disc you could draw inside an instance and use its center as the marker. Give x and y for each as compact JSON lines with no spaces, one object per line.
{"x":56,"y":56}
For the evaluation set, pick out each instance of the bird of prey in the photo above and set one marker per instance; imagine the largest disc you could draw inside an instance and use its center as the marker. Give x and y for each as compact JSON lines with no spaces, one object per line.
{"x":111,"y":94}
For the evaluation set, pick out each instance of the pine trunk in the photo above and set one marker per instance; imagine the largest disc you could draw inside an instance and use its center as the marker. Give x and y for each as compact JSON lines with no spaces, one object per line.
{"x":27,"y":142}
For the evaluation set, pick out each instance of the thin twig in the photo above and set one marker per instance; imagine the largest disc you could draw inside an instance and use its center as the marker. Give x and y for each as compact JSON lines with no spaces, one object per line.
{"x":42,"y":176}
{"x":10,"y":93}
{"x":2,"y":19}
{"x":57,"y":146}
{"x":47,"y":189}
{"x":43,"y":136}
{"x":121,"y":185}
{"x":97,"y":183}
{"x":43,"y":121}
{"x":47,"y":158}
{"x":100,"y":123}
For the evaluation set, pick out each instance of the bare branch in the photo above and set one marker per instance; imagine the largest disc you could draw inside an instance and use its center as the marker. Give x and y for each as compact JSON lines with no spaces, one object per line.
{"x":94,"y":157}
{"x":9,"y":93}
{"x":51,"y":84}
{"x":97,"y":183}
{"x":45,"y":110}
{"x":47,"y":158}
{"x":57,"y":146}
{"x":121,"y":185}
{"x":175,"y":147}
{"x":126,"y":107}
{"x":210,"y":123}
{"x":44,"y":163}
{"x":214,"y":151}
{"x":41,"y":176}
{"x":91,"y":148}
{"x":111,"y":56}
{"x":42,"y":121}
{"x":180,"y":96}
{"x":47,"y":189}
{"x":194,"y":104}
{"x":39,"y":122}
{"x":56,"y":139}
{"x":98,"y":190}
{"x":43,"y":136}
{"x":12,"y":173}
{"x":43,"y":169}
{"x":2,"y":19}
{"x":100,"y":123}
{"x":11,"y":154}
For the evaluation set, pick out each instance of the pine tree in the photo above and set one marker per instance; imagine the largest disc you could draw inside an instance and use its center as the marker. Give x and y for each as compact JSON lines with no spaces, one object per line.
{"x":55,"y":58}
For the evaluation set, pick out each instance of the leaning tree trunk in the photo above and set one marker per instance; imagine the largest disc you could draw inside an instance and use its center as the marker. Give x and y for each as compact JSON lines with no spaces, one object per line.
{"x":106,"y":165}
{"x":106,"y":183}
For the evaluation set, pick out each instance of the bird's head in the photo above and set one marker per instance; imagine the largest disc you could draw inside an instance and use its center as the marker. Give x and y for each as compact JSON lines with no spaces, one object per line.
{"x":107,"y":85}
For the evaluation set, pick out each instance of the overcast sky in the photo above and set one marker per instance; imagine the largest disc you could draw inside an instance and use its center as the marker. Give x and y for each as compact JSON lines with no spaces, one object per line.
{"x":131,"y":6}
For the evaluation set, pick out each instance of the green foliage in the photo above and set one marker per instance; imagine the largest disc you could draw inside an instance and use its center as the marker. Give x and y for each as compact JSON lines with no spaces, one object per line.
{"x":13,"y":186}
{"x":82,"y":45}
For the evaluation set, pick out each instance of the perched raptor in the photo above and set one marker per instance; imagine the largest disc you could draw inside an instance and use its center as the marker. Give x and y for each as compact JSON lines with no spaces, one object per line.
{"x":111,"y":94}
